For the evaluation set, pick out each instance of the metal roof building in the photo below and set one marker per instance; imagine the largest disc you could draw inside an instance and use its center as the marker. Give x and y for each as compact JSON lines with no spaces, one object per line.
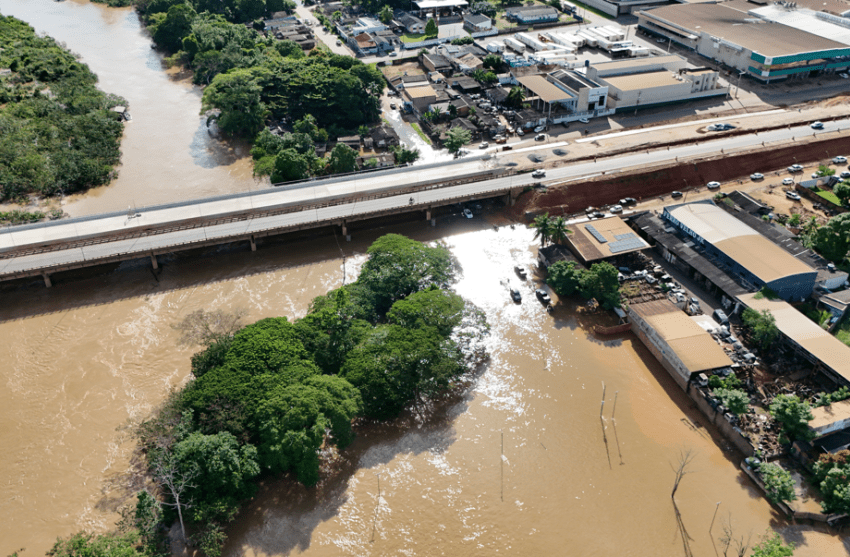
{"x":603,"y":238}
{"x":741,"y":251}
{"x":814,"y":343}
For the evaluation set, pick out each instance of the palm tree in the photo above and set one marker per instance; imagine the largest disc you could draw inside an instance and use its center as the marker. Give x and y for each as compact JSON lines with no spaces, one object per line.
{"x":515,"y":97}
{"x":542,"y":226}
{"x":559,"y":230}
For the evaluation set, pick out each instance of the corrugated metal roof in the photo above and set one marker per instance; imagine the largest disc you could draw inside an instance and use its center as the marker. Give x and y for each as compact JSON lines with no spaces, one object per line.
{"x":542,"y":88}
{"x":825,"y":415}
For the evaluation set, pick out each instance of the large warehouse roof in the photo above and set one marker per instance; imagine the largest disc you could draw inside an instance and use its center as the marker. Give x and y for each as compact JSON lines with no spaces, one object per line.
{"x":805,"y":332}
{"x":805,"y":20}
{"x":538,"y":85}
{"x":641,"y":81}
{"x":604,"y":238}
{"x":736,"y":27}
{"x":697,"y":350}
{"x":738,"y":241}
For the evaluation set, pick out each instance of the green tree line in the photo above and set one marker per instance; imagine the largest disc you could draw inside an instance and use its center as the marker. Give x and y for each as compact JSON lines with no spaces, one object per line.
{"x":57,"y":133}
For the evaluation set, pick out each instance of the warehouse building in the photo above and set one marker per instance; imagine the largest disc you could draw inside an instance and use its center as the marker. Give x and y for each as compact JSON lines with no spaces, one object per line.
{"x":741,"y":251}
{"x":602,"y":239}
{"x":755,"y":46}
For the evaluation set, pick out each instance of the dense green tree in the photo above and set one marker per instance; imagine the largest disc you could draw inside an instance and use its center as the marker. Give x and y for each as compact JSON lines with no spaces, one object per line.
{"x":147,"y":519}
{"x":793,"y":416}
{"x":236,"y":95}
{"x":842,"y":191}
{"x":771,"y":546}
{"x":762,"y":327}
{"x":832,"y":240}
{"x":456,"y":138}
{"x":332,"y":328}
{"x":307,"y":125}
{"x":100,"y":545}
{"x":734,"y":400}
{"x":386,"y":14}
{"x":169,"y":33}
{"x":398,"y":266}
{"x":601,"y":282}
{"x":542,"y":226}
{"x":564,"y":277}
{"x":778,"y":483}
{"x":404,"y":155}
{"x":290,"y":165}
{"x":293,"y":419}
{"x":395,"y":366}
{"x":431,"y":28}
{"x":493,"y":61}
{"x":343,"y":159}
{"x":434,"y":307}
{"x":515,"y":97}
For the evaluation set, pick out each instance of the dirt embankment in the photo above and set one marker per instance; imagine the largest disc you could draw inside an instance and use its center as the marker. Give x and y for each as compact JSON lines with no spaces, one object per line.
{"x":573,"y":198}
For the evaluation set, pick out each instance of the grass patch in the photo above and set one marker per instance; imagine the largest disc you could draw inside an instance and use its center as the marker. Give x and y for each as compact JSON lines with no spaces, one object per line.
{"x":842,"y":332}
{"x":419,"y":131}
{"x":416,"y":37}
{"x":829,"y":196}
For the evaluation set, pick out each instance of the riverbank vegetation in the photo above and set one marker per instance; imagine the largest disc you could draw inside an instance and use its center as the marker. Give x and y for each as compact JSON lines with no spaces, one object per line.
{"x":272,"y":397}
{"x":57,"y":132}
{"x":251,"y":80}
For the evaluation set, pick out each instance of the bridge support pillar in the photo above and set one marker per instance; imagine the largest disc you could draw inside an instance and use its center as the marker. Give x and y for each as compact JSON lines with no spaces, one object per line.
{"x":47,"y":282}
{"x":253,"y":244}
{"x":344,"y":229}
{"x":433,"y":222}
{"x":428,"y":213}
{"x":153,"y":262}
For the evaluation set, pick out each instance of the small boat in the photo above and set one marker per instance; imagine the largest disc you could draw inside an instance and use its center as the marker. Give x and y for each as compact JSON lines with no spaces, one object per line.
{"x":616,"y":329}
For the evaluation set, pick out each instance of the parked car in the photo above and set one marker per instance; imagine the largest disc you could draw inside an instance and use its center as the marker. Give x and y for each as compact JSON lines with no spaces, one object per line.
{"x":590,"y":210}
{"x":515,"y":295}
{"x":713,"y":185}
{"x":788,"y":181}
{"x":338,"y":42}
{"x":393,"y":106}
{"x":539,"y":173}
{"x":521,"y":272}
{"x":540,"y":137}
{"x":616,"y":209}
{"x":539,"y":129}
{"x":676,"y":194}
{"x":506,"y":147}
{"x":839,"y":160}
{"x":720,"y":316}
{"x":817,"y":125}
{"x":756,"y":176}
{"x":628,"y":201}
{"x":792,"y":195}
{"x":393,"y":54}
{"x":584,"y":120}
{"x":543,"y":296}
{"x":795,"y":168}
{"x":500,"y":139}
{"x":719,"y":127}
{"x":844,"y":175}
{"x":597,"y":215}
{"x":483,"y":145}
{"x":843,"y":75}
{"x":467,"y":213}
{"x":519,"y":132}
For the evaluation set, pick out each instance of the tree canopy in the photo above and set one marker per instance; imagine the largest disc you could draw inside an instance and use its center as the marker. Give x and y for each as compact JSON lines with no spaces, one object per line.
{"x":832,"y":240}
{"x":762,"y":327}
{"x":456,"y":138}
{"x":57,"y":133}
{"x":793,"y":416}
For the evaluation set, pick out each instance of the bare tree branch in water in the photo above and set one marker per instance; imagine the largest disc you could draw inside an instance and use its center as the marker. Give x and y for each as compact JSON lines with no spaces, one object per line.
{"x":686,"y":456}
{"x":205,"y":327}
{"x":729,"y":539}
{"x":176,"y":482}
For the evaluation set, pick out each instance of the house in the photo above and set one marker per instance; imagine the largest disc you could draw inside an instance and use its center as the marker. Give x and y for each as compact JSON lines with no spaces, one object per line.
{"x":412,"y":24}
{"x":465,"y":124}
{"x":367,"y":25}
{"x":418,"y":99}
{"x":436,"y":63}
{"x":476,"y":23}
{"x":366,"y":44}
{"x":352,"y":141}
{"x":497,"y":95}
{"x":277,"y":23}
{"x":468,"y":63}
{"x":532,"y":14}
{"x":465,"y":84}
{"x":382,"y":160}
{"x":384,"y":137}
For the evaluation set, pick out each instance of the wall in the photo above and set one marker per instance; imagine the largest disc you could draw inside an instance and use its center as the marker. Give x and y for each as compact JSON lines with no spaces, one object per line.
{"x":730,"y":432}
{"x":662,"y":352}
{"x":602,"y":6}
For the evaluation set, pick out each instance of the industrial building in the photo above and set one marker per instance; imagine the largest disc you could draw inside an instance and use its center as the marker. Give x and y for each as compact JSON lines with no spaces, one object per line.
{"x":829,"y":355}
{"x":741,"y":251}
{"x":602,"y":239}
{"x":753,"y":39}
{"x":641,"y":90}
{"x":682,"y":346}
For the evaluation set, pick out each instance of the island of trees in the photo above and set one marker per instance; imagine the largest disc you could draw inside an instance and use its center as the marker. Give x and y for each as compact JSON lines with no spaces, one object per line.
{"x":57,"y":132}
{"x":268,"y":397}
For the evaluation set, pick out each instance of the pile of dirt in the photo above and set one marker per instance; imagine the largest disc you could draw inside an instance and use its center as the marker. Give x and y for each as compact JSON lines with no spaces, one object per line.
{"x":574,"y":197}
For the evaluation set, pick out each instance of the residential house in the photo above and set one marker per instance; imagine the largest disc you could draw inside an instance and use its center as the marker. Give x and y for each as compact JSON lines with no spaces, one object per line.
{"x":468,"y":63}
{"x":436,"y":63}
{"x":366,"y":44}
{"x":466,"y":125}
{"x":465,"y":84}
{"x":418,"y":99}
{"x":412,"y":24}
{"x":476,"y":23}
{"x":352,"y":141}
{"x":532,"y":14}
{"x":382,"y":160}
{"x":384,"y":137}
{"x":497,"y":95}
{"x":367,"y":25}
{"x":277,"y":23}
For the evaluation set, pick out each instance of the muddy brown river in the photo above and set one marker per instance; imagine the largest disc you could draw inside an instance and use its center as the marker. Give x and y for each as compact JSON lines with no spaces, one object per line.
{"x":519,"y":464}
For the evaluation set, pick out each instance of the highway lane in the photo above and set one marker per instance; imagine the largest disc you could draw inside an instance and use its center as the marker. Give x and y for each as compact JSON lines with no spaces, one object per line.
{"x":270,"y":198}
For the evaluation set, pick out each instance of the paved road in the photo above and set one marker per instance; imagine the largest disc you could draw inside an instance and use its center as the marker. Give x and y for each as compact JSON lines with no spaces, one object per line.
{"x":326,"y":191}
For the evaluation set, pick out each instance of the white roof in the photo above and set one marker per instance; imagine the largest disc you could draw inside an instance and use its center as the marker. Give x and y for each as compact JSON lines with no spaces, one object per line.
{"x":710,"y":222}
{"x":428,"y":4}
{"x":805,"y":20}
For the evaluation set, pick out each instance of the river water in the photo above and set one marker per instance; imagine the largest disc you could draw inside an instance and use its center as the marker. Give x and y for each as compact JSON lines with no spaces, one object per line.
{"x":519,"y":464}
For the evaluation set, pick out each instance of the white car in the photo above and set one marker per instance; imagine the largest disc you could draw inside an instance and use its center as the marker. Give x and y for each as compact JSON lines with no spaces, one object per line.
{"x":844,"y":175}
{"x":843,"y":75}
{"x":713,"y":185}
{"x":817,"y":125}
{"x":839,"y":160}
{"x":616,"y":209}
{"x":584,"y":120}
{"x":540,"y":173}
{"x":792,"y":195}
{"x":483,"y":145}
{"x":795,"y":168}
{"x":788,"y":182}
{"x":467,"y":213}
{"x":756,"y":176}
{"x":539,"y":129}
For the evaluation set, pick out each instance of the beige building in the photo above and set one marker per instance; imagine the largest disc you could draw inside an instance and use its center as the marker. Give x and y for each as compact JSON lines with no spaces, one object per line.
{"x":419,"y":99}
{"x":604,"y":238}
